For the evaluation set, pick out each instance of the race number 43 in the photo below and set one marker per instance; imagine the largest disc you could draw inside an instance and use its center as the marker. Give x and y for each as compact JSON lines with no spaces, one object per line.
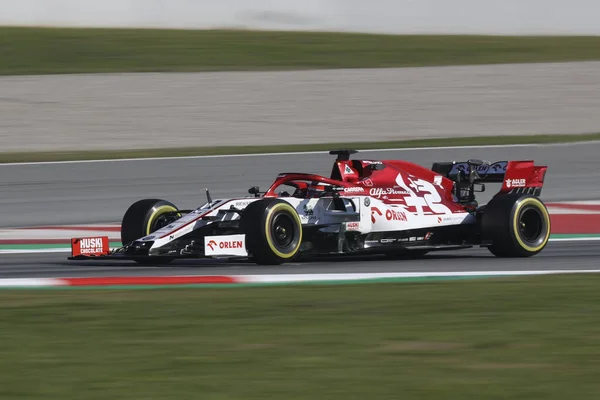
{"x":422,"y":194}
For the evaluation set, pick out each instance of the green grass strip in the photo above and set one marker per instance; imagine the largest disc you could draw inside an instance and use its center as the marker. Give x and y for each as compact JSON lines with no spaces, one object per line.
{"x":506,"y":338}
{"x":15,"y":157}
{"x":74,"y":50}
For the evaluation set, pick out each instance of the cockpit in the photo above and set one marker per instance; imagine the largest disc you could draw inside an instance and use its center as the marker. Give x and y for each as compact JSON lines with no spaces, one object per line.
{"x":343,"y":171}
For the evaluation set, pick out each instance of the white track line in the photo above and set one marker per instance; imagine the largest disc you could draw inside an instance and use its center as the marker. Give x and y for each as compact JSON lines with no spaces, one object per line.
{"x":323,"y":278}
{"x":285,"y":278}
{"x":295,"y":153}
{"x":581,"y":239}
{"x":30,"y":282}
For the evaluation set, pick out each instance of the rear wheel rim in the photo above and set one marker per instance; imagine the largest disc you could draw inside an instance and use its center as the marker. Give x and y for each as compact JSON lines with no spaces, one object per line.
{"x":531,"y":225}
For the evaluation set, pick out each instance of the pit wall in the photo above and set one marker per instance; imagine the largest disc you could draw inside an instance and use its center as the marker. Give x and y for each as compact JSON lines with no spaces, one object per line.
{"x":510,"y":17}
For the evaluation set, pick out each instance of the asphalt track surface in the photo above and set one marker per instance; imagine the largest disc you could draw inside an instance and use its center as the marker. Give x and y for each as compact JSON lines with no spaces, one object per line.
{"x":68,"y":193}
{"x":95,"y":192}
{"x":123,"y":111}
{"x":556,"y":256}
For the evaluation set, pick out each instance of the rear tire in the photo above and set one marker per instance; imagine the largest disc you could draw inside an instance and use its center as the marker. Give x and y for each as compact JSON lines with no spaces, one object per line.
{"x":273,"y":231}
{"x":517,"y":225}
{"x":144,"y":217}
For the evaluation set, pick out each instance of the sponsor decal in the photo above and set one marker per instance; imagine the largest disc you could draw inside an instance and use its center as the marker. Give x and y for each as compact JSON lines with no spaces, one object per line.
{"x":393,"y":215}
{"x":428,"y":235}
{"x":352,"y":226}
{"x":375,"y":210}
{"x":90,"y":246}
{"x":495,"y":168}
{"x":451,"y":219}
{"x":382,"y":192}
{"x":148,"y":238}
{"x":367,"y":182}
{"x":348,"y":170}
{"x":231,"y":244}
{"x":308,"y":218}
{"x":354,"y":190}
{"x":437,"y":180}
{"x":371,"y":162}
{"x":309,"y":213}
{"x":226,"y":245}
{"x":516,"y":183}
{"x":499,"y":167}
{"x":367,"y":202}
{"x":242,"y":204}
{"x":308,"y":210}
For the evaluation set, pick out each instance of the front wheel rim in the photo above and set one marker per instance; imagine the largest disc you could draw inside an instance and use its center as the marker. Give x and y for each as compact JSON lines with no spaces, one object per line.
{"x":283,"y":231}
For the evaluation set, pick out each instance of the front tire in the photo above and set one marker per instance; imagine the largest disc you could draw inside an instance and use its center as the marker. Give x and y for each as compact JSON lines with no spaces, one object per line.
{"x":144,"y":217}
{"x":273,"y":231}
{"x":517,"y":225}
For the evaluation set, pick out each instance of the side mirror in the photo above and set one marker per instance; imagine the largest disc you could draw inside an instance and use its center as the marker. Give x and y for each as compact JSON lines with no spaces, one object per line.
{"x":376,"y":167}
{"x":254,"y":190}
{"x":334,"y":190}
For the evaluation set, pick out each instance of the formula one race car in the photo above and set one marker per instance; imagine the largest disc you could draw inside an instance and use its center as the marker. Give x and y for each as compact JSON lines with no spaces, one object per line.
{"x":387,"y":207}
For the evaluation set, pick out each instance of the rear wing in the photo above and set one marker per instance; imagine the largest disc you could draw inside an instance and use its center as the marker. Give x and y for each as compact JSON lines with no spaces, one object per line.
{"x":515,"y":176}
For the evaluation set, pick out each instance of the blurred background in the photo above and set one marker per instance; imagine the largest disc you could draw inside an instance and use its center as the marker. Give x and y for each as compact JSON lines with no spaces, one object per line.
{"x":105,"y":103}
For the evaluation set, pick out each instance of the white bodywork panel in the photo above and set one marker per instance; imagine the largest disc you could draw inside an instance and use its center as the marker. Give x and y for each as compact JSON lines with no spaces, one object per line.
{"x":364,"y":214}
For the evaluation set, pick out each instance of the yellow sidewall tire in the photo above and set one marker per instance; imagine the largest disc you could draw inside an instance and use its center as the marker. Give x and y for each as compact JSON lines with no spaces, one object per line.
{"x":257,"y":222}
{"x":500,"y":225}
{"x":140,"y":217}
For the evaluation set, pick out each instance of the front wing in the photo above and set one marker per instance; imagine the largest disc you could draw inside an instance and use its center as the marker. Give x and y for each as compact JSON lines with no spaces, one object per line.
{"x":229,"y":246}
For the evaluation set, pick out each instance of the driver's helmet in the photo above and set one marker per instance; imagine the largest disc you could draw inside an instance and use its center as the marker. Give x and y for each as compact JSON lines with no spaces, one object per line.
{"x":316,"y":189}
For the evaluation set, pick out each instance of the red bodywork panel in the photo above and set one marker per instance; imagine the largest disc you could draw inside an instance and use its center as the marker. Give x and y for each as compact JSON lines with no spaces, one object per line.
{"x":395,"y":180}
{"x":523,"y":174}
{"x":90,"y":246}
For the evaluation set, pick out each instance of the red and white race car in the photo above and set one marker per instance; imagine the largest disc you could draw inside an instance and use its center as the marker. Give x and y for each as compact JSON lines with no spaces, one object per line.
{"x":387,"y":207}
